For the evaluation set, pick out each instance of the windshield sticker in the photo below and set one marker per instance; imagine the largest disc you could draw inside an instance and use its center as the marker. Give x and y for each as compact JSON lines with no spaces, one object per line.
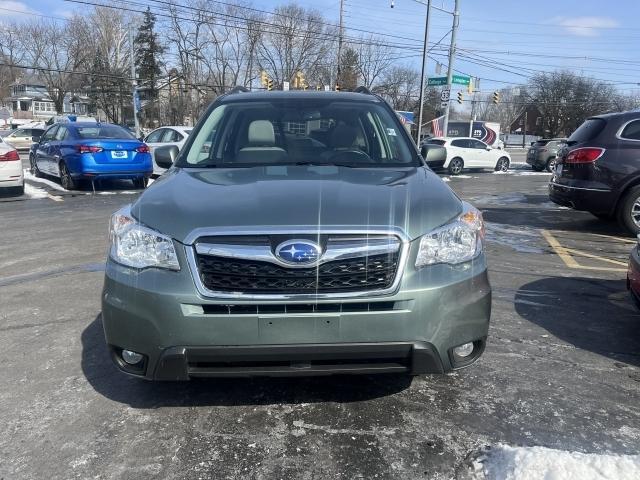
{"x":391,"y":132}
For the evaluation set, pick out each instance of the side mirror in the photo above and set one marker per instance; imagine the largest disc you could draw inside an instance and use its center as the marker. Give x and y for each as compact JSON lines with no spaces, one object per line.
{"x":165,"y":156}
{"x":35,"y":139}
{"x":489,"y":148}
{"x":434,"y":153}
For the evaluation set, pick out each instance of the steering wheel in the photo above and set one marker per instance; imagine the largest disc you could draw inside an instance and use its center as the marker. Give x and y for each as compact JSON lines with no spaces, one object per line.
{"x":347,"y":156}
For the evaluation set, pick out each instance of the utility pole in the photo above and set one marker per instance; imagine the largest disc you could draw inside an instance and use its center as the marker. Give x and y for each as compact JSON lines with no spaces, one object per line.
{"x":134,"y":82}
{"x":424,"y":66}
{"x":452,"y":54}
{"x":340,"y":36}
{"x":524,"y":129}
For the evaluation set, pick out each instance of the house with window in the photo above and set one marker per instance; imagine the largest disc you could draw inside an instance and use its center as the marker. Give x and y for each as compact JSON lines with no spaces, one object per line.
{"x":30,"y":101}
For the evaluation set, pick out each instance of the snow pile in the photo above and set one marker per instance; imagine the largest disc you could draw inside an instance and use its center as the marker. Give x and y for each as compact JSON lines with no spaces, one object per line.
{"x":34,"y":192}
{"x":29,"y":176}
{"x":539,"y":463}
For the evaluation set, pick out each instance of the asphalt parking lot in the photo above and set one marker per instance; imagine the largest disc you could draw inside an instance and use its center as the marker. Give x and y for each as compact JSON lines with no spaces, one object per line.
{"x":561,"y":369}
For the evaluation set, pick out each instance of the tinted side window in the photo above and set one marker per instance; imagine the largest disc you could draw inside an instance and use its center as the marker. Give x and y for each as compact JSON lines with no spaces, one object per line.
{"x":477,"y":144}
{"x":589,"y":130}
{"x":49,"y":134}
{"x":460,"y":143}
{"x":632,"y":131}
{"x":171,"y":136}
{"x":61,"y":133}
{"x":154,"y":137}
{"x":436,"y":142}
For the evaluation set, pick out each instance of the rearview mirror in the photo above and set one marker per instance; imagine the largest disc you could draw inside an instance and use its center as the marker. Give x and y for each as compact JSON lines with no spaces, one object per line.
{"x":165,"y":156}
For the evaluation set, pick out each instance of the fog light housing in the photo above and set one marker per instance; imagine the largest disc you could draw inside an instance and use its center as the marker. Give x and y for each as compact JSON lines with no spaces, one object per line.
{"x":132,"y":358}
{"x":463,"y":351}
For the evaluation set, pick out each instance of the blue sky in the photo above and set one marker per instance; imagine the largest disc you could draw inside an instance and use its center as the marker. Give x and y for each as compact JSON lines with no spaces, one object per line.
{"x":501,"y":41}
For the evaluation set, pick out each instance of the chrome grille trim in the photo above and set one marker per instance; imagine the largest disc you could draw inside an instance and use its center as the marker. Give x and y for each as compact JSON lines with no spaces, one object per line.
{"x":334,"y":251}
{"x":402,"y":242}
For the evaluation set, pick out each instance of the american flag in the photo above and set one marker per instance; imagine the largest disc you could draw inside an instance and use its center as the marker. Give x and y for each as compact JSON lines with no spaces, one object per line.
{"x":437,"y":125}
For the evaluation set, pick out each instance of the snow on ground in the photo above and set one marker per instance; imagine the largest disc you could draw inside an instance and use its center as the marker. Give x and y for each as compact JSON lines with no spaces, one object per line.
{"x":521,"y":239}
{"x":34,"y":192}
{"x":29,"y":176}
{"x":539,"y":463}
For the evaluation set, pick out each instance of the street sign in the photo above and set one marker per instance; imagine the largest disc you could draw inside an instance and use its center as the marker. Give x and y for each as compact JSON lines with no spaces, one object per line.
{"x":445,"y":94}
{"x":460,"y":79}
{"x":433,"y":81}
{"x":285,"y":86}
{"x":444,"y":104}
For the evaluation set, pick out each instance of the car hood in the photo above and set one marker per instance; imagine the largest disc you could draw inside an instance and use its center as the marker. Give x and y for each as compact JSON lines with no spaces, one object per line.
{"x":413,"y":199}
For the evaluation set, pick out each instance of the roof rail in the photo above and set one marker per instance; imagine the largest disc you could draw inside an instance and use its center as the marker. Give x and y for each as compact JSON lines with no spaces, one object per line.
{"x":239,"y":89}
{"x":363,"y":89}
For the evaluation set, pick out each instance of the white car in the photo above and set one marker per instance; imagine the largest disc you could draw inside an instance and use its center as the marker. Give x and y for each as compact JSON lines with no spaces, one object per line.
{"x":163,"y":136}
{"x":11,"y":174}
{"x":467,"y":152}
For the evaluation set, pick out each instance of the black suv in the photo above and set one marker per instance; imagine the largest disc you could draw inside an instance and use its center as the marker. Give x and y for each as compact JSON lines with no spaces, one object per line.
{"x":599,"y":169}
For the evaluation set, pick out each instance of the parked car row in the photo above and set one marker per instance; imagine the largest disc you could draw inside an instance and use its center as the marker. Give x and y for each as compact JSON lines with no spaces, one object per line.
{"x":598,"y":169}
{"x":11,"y":175}
{"x":466,"y":153}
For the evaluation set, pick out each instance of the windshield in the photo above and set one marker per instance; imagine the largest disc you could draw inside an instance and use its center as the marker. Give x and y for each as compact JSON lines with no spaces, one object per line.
{"x":541,"y":143}
{"x":104,"y":131}
{"x":296,"y":131}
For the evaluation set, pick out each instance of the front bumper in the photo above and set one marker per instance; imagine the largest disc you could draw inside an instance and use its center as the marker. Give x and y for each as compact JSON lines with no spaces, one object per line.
{"x":182,"y":334}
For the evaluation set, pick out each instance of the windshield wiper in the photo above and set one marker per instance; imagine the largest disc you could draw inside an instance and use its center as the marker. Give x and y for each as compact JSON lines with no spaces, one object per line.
{"x":324,"y":164}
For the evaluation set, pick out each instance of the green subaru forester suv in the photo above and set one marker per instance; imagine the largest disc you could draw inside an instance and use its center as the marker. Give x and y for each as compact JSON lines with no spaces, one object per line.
{"x":296,"y":233}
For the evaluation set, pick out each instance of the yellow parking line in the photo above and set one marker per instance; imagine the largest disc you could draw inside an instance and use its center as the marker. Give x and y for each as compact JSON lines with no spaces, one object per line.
{"x":625,"y":240}
{"x":597,"y":257}
{"x":559,"y":249}
{"x":565,"y":254}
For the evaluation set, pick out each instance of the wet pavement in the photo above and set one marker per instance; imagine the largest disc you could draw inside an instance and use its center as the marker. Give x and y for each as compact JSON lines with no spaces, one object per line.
{"x":561,"y":368}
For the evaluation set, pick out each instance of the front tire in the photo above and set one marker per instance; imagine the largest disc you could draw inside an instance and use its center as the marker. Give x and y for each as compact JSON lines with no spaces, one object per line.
{"x":502,"y":165}
{"x":66,"y":180}
{"x":629,"y":210}
{"x":140,"y":183}
{"x":456,"y":165}
{"x":35,"y":171}
{"x":551,"y":165}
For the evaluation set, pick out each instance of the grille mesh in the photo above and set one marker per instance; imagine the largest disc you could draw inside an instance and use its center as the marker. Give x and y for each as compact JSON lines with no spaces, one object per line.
{"x":221,"y":274}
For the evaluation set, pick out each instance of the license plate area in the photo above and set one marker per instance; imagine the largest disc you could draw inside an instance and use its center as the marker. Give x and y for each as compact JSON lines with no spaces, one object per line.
{"x":118,"y":154}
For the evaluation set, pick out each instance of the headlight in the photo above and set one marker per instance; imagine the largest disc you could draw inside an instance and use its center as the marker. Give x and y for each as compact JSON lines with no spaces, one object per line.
{"x":137,"y":246}
{"x":457,"y":242}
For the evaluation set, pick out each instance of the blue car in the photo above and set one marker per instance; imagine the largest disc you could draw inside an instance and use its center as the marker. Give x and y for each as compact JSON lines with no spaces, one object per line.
{"x":82,"y":151}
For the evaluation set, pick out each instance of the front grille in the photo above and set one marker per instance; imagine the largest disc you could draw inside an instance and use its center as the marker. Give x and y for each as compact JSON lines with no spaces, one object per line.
{"x":221,"y":274}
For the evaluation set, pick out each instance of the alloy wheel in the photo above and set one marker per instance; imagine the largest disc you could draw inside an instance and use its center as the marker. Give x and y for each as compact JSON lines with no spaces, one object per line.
{"x":635,"y":212}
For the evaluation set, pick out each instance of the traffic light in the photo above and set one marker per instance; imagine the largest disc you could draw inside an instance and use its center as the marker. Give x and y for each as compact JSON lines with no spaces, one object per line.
{"x":470,"y":86}
{"x":264,"y":78}
{"x":460,"y":98}
{"x":337,"y":87}
{"x":269,"y":84}
{"x":496,"y":97}
{"x":299,"y":81}
{"x":319,"y":87}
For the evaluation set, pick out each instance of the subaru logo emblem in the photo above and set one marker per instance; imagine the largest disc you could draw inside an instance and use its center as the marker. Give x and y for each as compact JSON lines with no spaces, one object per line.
{"x":298,"y":252}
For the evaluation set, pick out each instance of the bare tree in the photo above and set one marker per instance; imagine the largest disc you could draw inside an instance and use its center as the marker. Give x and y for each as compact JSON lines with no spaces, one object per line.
{"x":297,"y":39}
{"x":401,"y":87}
{"x":56,"y":50}
{"x":11,"y":54}
{"x":374,"y":59}
{"x":566,"y":99}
